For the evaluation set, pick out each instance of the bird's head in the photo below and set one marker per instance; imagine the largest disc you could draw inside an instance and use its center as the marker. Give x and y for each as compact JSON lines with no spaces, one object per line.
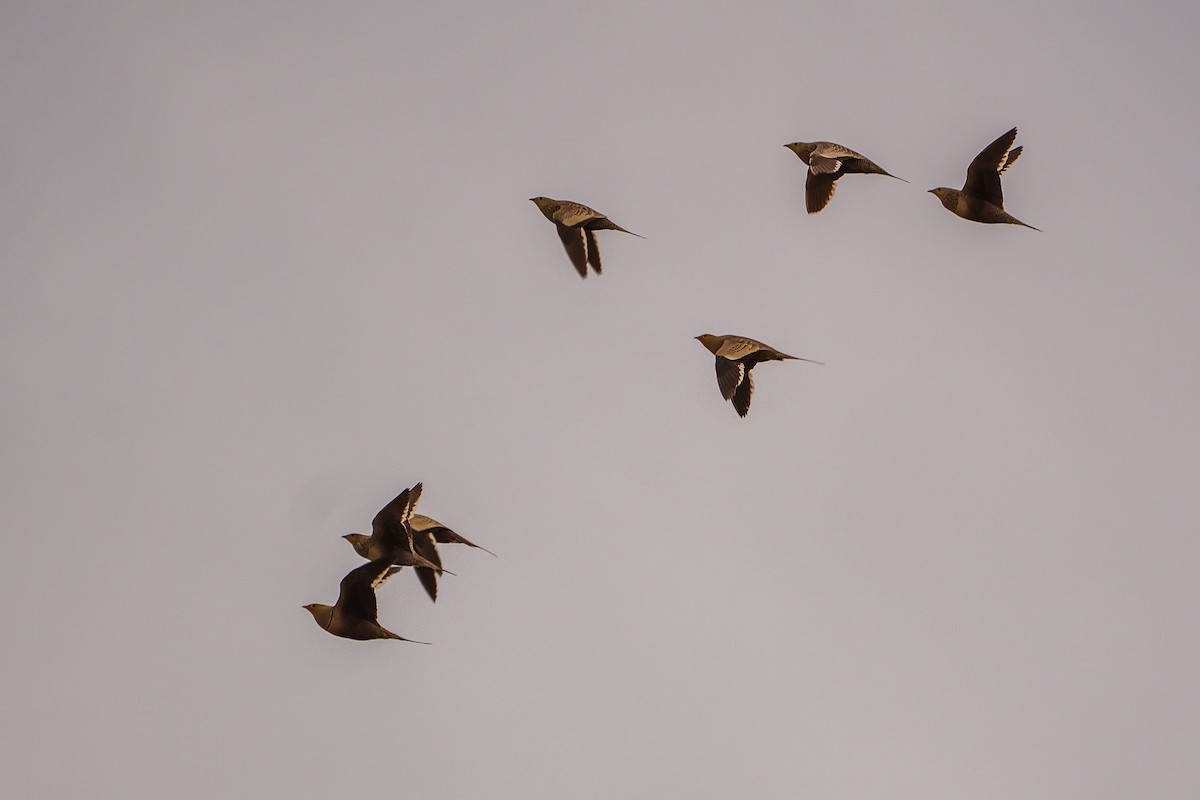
{"x":321,"y":613}
{"x":360,"y":542}
{"x":802,"y":149}
{"x":709,"y":341}
{"x":546,"y":205}
{"x":949,"y":197}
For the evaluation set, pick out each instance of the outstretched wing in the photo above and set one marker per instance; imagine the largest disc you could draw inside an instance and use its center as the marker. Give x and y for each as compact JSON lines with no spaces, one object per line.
{"x":741,"y":398}
{"x":593,"y":250}
{"x":357,"y":595}
{"x":983,"y":176}
{"x":819,"y":165}
{"x":440,"y":533}
{"x":423,"y":543}
{"x":1013,"y":155}
{"x":818,"y":190}
{"x":391,"y":523}
{"x":575,"y":242}
{"x":729,"y":375}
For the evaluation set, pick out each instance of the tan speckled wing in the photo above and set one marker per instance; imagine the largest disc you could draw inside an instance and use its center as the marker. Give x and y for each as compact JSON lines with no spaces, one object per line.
{"x":819,"y":165}
{"x":735,"y":347}
{"x":442,"y":534}
{"x":421,"y":523}
{"x":832,"y":150}
{"x":571,"y":214}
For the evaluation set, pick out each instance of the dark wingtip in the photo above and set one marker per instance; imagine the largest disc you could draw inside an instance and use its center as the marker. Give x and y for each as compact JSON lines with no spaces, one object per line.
{"x":428,"y":580}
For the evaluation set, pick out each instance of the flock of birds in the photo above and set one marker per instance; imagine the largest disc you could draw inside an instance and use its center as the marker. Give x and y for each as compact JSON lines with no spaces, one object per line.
{"x":980,"y":200}
{"x":401,"y":538}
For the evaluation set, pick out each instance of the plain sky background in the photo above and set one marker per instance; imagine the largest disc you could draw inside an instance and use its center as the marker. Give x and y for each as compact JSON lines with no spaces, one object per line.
{"x":262,"y":265}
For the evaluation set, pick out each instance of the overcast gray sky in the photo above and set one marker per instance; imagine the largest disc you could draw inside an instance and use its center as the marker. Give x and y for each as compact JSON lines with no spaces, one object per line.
{"x":262,"y":265}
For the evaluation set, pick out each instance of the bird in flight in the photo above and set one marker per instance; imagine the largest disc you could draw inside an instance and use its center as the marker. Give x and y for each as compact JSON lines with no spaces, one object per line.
{"x":391,"y":536}
{"x":577,"y":225}
{"x":828,"y":161}
{"x":736,"y":356}
{"x":428,"y":533}
{"x":981,"y":198}
{"x":356,"y":613}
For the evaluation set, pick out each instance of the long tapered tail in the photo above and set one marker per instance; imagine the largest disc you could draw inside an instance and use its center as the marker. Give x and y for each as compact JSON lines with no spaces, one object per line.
{"x":798,"y":358}
{"x":608,"y":225}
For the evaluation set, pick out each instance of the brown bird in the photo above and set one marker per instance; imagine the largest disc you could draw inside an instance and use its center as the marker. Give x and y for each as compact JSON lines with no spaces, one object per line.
{"x":736,"y":356}
{"x":356,"y":614}
{"x":577,"y":225}
{"x":428,"y":533}
{"x":828,"y":161}
{"x":981,"y":199}
{"x":391,"y":536}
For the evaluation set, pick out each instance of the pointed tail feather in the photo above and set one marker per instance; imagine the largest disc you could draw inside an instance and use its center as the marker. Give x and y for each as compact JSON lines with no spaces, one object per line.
{"x":607,"y":224}
{"x":798,"y":358}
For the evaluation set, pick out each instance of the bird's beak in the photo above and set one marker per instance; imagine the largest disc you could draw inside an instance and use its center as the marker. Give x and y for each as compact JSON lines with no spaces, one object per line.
{"x":931,"y":191}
